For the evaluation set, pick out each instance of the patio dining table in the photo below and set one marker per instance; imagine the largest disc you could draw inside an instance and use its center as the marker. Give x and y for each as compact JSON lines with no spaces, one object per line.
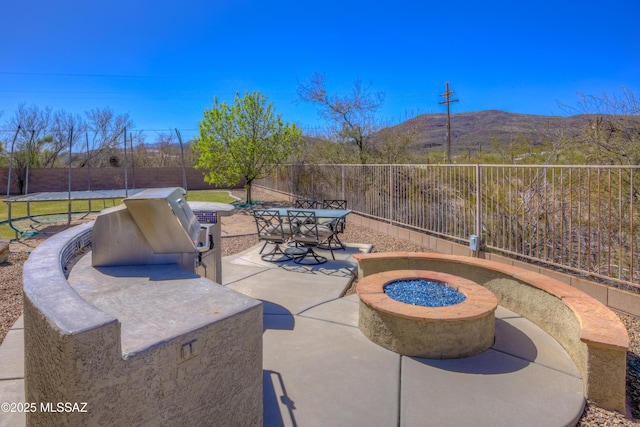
{"x":321,"y":214}
{"x":325,"y":219}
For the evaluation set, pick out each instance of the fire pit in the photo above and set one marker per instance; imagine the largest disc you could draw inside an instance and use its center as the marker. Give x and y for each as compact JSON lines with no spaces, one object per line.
{"x":450,"y":331}
{"x":427,"y":293}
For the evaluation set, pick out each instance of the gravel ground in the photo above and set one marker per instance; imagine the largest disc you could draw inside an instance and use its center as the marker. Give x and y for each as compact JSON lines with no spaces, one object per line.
{"x":11,"y":309}
{"x":11,"y":291}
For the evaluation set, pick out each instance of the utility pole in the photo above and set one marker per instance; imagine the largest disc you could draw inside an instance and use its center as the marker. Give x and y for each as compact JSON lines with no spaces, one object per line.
{"x":448,"y":101}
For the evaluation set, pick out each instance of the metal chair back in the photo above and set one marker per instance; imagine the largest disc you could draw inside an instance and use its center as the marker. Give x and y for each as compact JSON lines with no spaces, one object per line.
{"x":305,"y":204}
{"x":334,"y":204}
{"x":271,"y":229}
{"x":306,"y":231}
{"x":269,"y":225}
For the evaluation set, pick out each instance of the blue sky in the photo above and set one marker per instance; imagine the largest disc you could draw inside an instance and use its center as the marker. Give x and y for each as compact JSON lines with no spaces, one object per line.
{"x":164,"y":61}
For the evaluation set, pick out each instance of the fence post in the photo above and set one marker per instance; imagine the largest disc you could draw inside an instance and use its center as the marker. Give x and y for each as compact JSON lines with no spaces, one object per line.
{"x":342,"y":196}
{"x":390,"y":194}
{"x":631,"y":242}
{"x":479,"y":207}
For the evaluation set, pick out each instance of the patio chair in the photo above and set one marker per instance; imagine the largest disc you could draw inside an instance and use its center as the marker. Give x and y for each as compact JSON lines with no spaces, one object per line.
{"x":334,"y":204}
{"x":306,"y":204}
{"x":308,"y":234}
{"x":337,"y":226}
{"x":271,"y":229}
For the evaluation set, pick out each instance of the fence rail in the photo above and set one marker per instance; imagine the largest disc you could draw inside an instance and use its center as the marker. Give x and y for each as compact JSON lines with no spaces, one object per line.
{"x":583,"y":219}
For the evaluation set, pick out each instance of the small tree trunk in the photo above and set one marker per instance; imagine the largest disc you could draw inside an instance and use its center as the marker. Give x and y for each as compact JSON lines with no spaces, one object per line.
{"x":247,"y":187}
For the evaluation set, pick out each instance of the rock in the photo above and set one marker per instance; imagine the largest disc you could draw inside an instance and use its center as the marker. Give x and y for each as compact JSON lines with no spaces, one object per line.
{"x":4,"y":251}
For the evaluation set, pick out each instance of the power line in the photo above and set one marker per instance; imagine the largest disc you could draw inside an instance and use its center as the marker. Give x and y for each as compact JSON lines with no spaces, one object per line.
{"x":125,"y":76}
{"x":170,"y":129}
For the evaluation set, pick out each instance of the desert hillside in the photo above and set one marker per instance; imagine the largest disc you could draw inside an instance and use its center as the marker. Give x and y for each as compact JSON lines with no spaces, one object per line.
{"x":481,"y":129}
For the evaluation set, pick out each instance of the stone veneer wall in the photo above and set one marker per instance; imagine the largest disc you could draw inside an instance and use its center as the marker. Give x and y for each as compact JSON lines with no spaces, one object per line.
{"x":73,"y":354}
{"x":593,"y":336}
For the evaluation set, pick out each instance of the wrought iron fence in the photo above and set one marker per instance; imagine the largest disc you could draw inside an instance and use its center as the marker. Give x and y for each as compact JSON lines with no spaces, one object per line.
{"x":580,"y":218}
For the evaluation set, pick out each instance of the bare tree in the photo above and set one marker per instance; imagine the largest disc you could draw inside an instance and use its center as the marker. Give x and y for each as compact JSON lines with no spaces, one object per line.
{"x":352,"y":117}
{"x":164,"y":152}
{"x":392,"y":146}
{"x":3,"y":142}
{"x":142,"y":155}
{"x":33,"y":124}
{"x":322,"y":150}
{"x":167,"y":150}
{"x":612,"y":134}
{"x":60,"y":130}
{"x":106,"y":139}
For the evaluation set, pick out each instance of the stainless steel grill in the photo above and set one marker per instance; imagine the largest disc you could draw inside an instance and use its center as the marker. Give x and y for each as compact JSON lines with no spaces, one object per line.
{"x":155,"y":227}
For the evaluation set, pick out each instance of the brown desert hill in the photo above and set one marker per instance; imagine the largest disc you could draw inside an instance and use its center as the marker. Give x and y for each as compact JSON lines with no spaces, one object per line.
{"x":484,"y":129}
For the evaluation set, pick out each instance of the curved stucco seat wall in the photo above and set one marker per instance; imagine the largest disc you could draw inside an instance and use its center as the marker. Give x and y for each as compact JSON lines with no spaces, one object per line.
{"x":73,"y":353}
{"x":593,"y":336}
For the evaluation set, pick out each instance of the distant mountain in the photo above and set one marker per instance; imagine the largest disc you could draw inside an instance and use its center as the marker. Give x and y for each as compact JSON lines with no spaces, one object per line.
{"x":481,"y":129}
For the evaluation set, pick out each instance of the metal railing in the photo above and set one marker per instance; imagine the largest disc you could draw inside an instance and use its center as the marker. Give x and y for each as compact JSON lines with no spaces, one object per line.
{"x":579,"y":218}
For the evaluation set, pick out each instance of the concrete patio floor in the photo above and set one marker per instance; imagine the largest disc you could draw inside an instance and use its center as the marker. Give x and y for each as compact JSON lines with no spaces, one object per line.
{"x":319,"y":370}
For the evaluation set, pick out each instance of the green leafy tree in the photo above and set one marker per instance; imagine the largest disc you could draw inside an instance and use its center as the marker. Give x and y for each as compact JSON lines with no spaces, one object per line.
{"x":244,"y":141}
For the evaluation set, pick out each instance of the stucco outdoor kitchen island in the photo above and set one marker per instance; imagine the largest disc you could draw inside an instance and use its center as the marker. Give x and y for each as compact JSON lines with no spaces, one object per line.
{"x":148,"y":343}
